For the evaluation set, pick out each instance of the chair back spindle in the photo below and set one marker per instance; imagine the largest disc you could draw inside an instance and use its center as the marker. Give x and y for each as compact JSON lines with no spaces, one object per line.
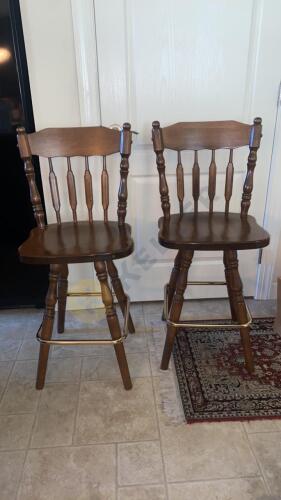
{"x":160,"y":161}
{"x":180,"y":183}
{"x":188,"y":136}
{"x":212,"y":181}
{"x":54,"y":191}
{"x":125,"y":150}
{"x":77,"y":142}
{"x":71,"y":190}
{"x":26,"y":156}
{"x":88,"y":189}
{"x":105,"y":189}
{"x":255,"y":138}
{"x":229,"y":181}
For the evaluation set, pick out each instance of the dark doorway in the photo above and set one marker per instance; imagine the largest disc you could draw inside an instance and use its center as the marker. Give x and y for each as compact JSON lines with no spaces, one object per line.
{"x":21,"y":285}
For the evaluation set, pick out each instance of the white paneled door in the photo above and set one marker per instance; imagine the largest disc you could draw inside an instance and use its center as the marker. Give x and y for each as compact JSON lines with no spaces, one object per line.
{"x":178,"y":60}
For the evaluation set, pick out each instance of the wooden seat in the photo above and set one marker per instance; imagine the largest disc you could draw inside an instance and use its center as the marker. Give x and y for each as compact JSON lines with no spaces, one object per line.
{"x":215,"y":231}
{"x":81,"y":242}
{"x":201,"y":231}
{"x":65,"y":242}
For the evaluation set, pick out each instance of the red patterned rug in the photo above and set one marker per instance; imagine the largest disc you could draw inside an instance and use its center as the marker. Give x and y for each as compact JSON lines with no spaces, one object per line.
{"x":213,"y":382}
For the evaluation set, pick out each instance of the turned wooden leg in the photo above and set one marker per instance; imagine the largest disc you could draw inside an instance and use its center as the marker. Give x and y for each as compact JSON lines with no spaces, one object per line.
{"x":113,"y":323}
{"x":176,"y":307}
{"x":173,"y":280}
{"x":236,"y":289}
{"x":62,"y":295}
{"x":119,"y":292}
{"x":227,"y":272}
{"x":47,"y":325}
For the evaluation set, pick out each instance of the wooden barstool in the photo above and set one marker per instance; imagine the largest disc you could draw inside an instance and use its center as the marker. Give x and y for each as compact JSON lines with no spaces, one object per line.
{"x":60,"y":244}
{"x":225,"y":231}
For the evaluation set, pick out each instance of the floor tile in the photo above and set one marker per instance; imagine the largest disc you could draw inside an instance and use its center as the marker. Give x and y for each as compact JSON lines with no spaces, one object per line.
{"x":64,"y":370}
{"x":262,"y":426}
{"x":20,"y":395}
{"x":232,"y":489}
{"x":152,"y":492}
{"x":15,"y":431}
{"x":140,"y":463}
{"x":100,"y":367}
{"x":108,"y":413}
{"x":204,"y":451}
{"x":54,"y":423}
{"x":5,"y":370}
{"x":11,"y":463}
{"x":29,"y":349}
{"x":9,"y":348}
{"x":69,"y":473}
{"x":267,"y":448}
{"x":21,"y":323}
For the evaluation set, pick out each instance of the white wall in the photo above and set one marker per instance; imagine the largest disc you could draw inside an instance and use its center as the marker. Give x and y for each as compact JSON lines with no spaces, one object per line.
{"x":48,"y":34}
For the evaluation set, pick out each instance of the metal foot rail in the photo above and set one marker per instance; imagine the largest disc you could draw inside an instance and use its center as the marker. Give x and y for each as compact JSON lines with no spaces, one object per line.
{"x":91,"y":341}
{"x":181,"y":324}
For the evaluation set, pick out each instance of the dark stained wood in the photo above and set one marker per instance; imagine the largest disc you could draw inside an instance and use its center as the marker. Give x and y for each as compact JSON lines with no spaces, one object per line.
{"x":229,"y":181}
{"x":210,"y":230}
{"x":75,"y":243}
{"x":125,"y":150}
{"x":79,"y":241}
{"x":238,"y":303}
{"x":252,"y":159}
{"x":205,"y":231}
{"x":212,"y":181}
{"x":195,"y":181}
{"x":54,"y":191}
{"x":180,"y":182}
{"x":206,"y":135}
{"x":105,"y":189}
{"x":88,"y":189}
{"x":29,"y":171}
{"x":62,"y":296}
{"x":76,"y":141}
{"x":176,"y":307}
{"x":119,"y":292}
{"x":163,"y":186}
{"x":174,"y":278}
{"x":113,"y":323}
{"x":47,"y":325}
{"x":71,"y":189}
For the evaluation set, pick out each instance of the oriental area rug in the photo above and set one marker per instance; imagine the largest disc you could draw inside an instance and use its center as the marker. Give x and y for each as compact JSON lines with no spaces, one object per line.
{"x":213,"y":382}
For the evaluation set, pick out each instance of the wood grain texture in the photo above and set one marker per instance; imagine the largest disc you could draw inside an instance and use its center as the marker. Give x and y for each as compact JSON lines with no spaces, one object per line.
{"x":105,"y":190}
{"x":88,"y":189}
{"x":126,"y":141}
{"x":229,"y":181}
{"x":195,"y":181}
{"x":206,"y":135}
{"x":54,"y":191}
{"x":30,"y":174}
{"x":212,"y":181}
{"x":160,"y":161}
{"x":180,"y":182}
{"x":71,"y":190}
{"x":113,"y":323}
{"x":76,"y":141}
{"x":256,"y":133}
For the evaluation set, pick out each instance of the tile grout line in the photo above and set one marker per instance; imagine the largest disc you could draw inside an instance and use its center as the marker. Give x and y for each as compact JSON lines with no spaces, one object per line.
{"x":29,"y":442}
{"x":157,"y":419}
{"x":77,"y":404}
{"x":257,"y":460}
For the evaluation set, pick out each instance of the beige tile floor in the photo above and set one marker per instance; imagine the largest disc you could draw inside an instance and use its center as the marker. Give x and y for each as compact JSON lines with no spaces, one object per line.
{"x":84,"y":437}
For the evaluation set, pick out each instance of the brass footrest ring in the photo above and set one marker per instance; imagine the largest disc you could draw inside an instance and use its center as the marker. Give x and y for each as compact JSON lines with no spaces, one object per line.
{"x":91,"y":341}
{"x":181,"y":324}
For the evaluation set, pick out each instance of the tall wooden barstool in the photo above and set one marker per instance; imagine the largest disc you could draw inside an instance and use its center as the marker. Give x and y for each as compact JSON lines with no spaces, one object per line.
{"x":225,"y":231}
{"x":63,"y":243}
